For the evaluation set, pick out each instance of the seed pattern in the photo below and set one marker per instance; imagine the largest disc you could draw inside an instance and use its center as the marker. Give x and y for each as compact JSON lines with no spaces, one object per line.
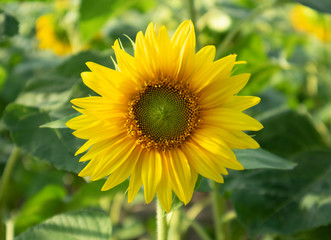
{"x":163,"y":114}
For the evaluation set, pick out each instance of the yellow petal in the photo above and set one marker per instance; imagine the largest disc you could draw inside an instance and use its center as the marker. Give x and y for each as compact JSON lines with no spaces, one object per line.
{"x":241,"y":103}
{"x":95,"y":130}
{"x":186,"y":57}
{"x":151,"y":174}
{"x":216,"y":72}
{"x":89,"y":168}
{"x":116,"y":155}
{"x":91,"y":102}
{"x":202,"y":61}
{"x":122,"y":172}
{"x":216,"y":150}
{"x":108,"y":75}
{"x":231,"y":119}
{"x":163,"y":191}
{"x":146,"y":53}
{"x":94,"y":83}
{"x":127,"y":66}
{"x":204,"y":166}
{"x":214,"y":94}
{"x":165,"y":51}
{"x":102,"y":145}
{"x":181,"y":174}
{"x":235,"y":139}
{"x":135,"y":179}
{"x":79,"y":121}
{"x":84,"y":147}
{"x":183,"y":42}
{"x":179,"y":37}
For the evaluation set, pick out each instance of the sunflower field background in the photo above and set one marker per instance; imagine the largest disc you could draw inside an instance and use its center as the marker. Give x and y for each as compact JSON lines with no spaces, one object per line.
{"x":284,"y":193}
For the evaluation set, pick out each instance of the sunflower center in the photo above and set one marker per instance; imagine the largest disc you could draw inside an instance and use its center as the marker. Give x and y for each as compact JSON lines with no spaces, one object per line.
{"x":163,"y":114}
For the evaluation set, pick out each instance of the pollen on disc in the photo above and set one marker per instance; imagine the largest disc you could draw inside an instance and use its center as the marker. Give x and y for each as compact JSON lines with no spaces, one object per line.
{"x":162,"y":115}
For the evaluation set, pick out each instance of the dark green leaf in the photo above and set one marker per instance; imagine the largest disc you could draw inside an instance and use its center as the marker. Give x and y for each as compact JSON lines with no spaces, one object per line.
{"x":76,"y":64}
{"x":320,"y":5}
{"x":43,"y":205}
{"x":287,"y":132}
{"x":323,"y":232}
{"x":60,"y":123}
{"x":131,"y":228}
{"x":53,"y":87}
{"x":270,"y":99}
{"x":204,"y":185}
{"x":3,"y":75}
{"x":176,"y":203}
{"x":259,"y":158}
{"x":94,"y":14}
{"x":8,"y":24}
{"x":80,"y":225}
{"x":286,"y":202}
{"x":250,"y":159}
{"x":57,"y":146}
{"x":90,"y":194}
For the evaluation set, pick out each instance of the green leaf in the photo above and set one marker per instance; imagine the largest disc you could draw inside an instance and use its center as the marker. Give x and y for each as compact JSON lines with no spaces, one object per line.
{"x":176,"y":203}
{"x":90,"y":194}
{"x":29,"y":0}
{"x":8,"y":24}
{"x":130,"y":228}
{"x":251,"y":159}
{"x":323,"y":232}
{"x":259,"y":158}
{"x":3,"y":75}
{"x":287,"y":133}
{"x":41,"y":206}
{"x":57,"y":146}
{"x":286,"y":202}
{"x":60,"y":123}
{"x":76,"y":64}
{"x":94,"y":14}
{"x":51,"y":88}
{"x":205,"y":185}
{"x":320,"y":5}
{"x":271,"y":99}
{"x":80,"y":225}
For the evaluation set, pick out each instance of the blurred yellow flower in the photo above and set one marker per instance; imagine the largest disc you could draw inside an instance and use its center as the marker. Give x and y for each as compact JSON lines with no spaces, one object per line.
{"x":62,"y":4}
{"x":51,"y":36}
{"x":165,"y":116}
{"x":306,"y":20}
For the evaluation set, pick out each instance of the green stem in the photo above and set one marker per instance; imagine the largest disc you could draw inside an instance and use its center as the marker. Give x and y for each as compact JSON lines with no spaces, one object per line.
{"x":175,"y":231}
{"x":218,"y":209}
{"x":10,"y":229}
{"x":221,"y":48}
{"x":199,"y":230}
{"x":194,"y":211}
{"x":115,"y":209}
{"x":196,"y":226}
{"x":4,"y":186}
{"x":161,"y":222}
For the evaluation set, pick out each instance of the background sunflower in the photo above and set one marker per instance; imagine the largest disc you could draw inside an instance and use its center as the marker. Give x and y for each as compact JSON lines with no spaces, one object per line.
{"x":51,"y":35}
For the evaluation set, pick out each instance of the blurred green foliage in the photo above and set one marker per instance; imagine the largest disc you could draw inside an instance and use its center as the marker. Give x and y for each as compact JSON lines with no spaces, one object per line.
{"x":285,"y":192}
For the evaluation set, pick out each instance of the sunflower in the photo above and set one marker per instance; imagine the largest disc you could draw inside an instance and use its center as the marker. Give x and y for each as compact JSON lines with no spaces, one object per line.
{"x":305,"y":19}
{"x":166,"y":115}
{"x":52,"y":36}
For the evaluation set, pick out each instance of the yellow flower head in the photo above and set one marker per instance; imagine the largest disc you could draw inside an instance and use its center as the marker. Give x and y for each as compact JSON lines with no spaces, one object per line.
{"x":165,"y":116}
{"x":306,"y":20}
{"x":51,"y":36}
